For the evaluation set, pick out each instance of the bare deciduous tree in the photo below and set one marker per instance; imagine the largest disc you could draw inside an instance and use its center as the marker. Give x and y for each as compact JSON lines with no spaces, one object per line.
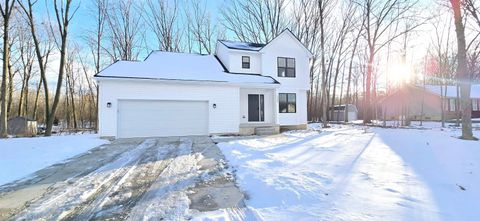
{"x":43,"y":49}
{"x":124,"y":30}
{"x":354,"y":50}
{"x":163,"y":18}
{"x":63,"y":18}
{"x":6,"y":9}
{"x":26,"y":54}
{"x":200,"y":28}
{"x":255,"y":20}
{"x":462,"y":72}
{"x":95,"y":37}
{"x":380,"y":16}
{"x":305,"y":26}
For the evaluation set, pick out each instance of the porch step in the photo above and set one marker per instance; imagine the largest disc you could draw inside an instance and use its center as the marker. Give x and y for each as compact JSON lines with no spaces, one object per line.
{"x":266,"y":130}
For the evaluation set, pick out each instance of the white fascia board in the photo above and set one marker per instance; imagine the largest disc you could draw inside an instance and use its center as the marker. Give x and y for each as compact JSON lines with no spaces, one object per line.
{"x":191,"y":82}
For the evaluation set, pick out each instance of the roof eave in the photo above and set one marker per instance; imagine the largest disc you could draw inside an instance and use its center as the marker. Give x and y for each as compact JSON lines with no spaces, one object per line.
{"x":263,"y":85}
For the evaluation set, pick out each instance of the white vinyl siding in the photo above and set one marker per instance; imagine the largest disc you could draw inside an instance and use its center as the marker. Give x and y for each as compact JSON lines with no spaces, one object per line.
{"x":300,"y":115}
{"x":221,"y":119}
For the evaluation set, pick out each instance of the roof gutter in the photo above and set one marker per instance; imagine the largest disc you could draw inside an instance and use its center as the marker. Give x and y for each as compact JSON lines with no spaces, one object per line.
{"x":189,"y":82}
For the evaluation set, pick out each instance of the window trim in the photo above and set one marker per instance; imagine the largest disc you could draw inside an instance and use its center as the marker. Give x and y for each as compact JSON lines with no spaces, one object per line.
{"x":246,"y":65}
{"x":286,"y":97}
{"x":475,"y":104}
{"x":287,"y":67}
{"x":452,"y":107}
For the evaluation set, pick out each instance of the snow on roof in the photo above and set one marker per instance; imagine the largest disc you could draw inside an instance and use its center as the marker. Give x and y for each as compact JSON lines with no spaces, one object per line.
{"x":248,"y":46}
{"x":180,"y":66}
{"x":451,"y":91}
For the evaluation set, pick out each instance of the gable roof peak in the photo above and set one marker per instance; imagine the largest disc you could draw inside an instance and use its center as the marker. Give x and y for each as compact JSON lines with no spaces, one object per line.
{"x":292,"y":35}
{"x":258,"y":47}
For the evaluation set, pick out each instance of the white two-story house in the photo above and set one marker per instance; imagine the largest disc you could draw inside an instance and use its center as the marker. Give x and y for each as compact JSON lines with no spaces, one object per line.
{"x":245,"y":88}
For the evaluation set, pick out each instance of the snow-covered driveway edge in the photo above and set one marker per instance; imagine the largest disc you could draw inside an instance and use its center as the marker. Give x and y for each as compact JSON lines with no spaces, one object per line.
{"x":173,"y":178}
{"x":20,"y":157}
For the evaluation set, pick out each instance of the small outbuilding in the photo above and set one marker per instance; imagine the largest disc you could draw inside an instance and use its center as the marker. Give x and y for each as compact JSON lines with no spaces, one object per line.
{"x":22,"y":127}
{"x":338,"y":112}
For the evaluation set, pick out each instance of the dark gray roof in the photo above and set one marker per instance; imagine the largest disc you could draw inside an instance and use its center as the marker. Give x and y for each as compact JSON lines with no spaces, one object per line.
{"x":247,"y":46}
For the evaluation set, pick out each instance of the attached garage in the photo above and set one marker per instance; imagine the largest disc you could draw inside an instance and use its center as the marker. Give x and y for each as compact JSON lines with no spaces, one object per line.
{"x":172,"y":94}
{"x":161,"y":118}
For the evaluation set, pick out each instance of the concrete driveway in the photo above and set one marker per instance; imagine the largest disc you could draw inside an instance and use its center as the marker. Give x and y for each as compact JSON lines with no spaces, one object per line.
{"x":133,"y":179}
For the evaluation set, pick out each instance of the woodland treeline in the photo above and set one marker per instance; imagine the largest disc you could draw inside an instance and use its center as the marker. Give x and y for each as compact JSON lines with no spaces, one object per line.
{"x":47,"y":70}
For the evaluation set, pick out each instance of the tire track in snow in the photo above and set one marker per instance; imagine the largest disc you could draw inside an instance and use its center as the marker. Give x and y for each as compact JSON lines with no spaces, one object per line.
{"x":116,"y":202}
{"x":167,"y":199}
{"x":60,"y":202}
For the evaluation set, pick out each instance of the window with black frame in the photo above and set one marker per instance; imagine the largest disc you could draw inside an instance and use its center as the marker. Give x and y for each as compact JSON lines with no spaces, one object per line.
{"x":245,"y":62}
{"x":286,"y":67}
{"x":287,"y":103}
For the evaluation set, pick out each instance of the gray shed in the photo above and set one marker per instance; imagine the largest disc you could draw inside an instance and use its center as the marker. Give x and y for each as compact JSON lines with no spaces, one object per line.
{"x":22,"y":127}
{"x":338,"y":112}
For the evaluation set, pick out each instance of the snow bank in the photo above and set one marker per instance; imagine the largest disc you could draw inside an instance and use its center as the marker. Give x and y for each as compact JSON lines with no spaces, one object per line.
{"x":358,"y":173}
{"x":23,"y":156}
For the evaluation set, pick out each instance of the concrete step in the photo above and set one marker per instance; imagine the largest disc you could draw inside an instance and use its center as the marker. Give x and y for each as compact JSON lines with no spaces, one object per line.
{"x":266,"y":130}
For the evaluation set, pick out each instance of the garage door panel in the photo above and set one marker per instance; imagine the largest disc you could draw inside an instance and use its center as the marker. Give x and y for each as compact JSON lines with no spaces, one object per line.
{"x":139,"y":118}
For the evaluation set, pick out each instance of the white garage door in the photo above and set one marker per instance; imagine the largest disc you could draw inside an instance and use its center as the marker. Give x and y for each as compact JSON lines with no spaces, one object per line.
{"x":143,"y":118}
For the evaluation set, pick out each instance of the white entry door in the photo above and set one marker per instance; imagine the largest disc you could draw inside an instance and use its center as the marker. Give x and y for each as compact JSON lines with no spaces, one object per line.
{"x":160,"y":118}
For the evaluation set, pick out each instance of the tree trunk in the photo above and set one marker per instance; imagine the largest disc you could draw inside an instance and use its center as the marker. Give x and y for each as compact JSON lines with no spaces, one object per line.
{"x":10,"y":87}
{"x":367,"y":118}
{"x":65,"y":18}
{"x":71,"y":85}
{"x":35,"y":105}
{"x":350,"y":66}
{"x":25,"y":97}
{"x":67,"y":106}
{"x":6,"y":12}
{"x":3,"y":108}
{"x":462,"y":73}
{"x":20,"y":100}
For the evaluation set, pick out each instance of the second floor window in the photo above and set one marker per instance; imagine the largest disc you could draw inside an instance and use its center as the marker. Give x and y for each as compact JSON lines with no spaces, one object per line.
{"x":245,"y":62}
{"x":286,"y":67}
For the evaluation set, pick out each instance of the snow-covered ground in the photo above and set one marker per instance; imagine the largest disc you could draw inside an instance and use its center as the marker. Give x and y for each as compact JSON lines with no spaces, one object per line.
{"x":356,"y":173}
{"x":169,"y":178}
{"x":22,"y":156}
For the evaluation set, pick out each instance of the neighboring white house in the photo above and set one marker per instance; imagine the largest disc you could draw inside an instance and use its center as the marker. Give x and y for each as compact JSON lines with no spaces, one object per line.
{"x":245,"y":88}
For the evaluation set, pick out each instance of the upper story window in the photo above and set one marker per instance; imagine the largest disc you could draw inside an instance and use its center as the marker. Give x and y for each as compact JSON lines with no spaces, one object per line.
{"x":286,"y":67}
{"x":245,"y":62}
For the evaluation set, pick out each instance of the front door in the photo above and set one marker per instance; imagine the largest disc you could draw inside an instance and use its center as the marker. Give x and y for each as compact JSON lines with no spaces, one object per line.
{"x":256,"y":107}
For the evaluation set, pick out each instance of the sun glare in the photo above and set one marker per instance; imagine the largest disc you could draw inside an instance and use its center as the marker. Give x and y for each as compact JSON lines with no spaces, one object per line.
{"x":400,"y":73}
